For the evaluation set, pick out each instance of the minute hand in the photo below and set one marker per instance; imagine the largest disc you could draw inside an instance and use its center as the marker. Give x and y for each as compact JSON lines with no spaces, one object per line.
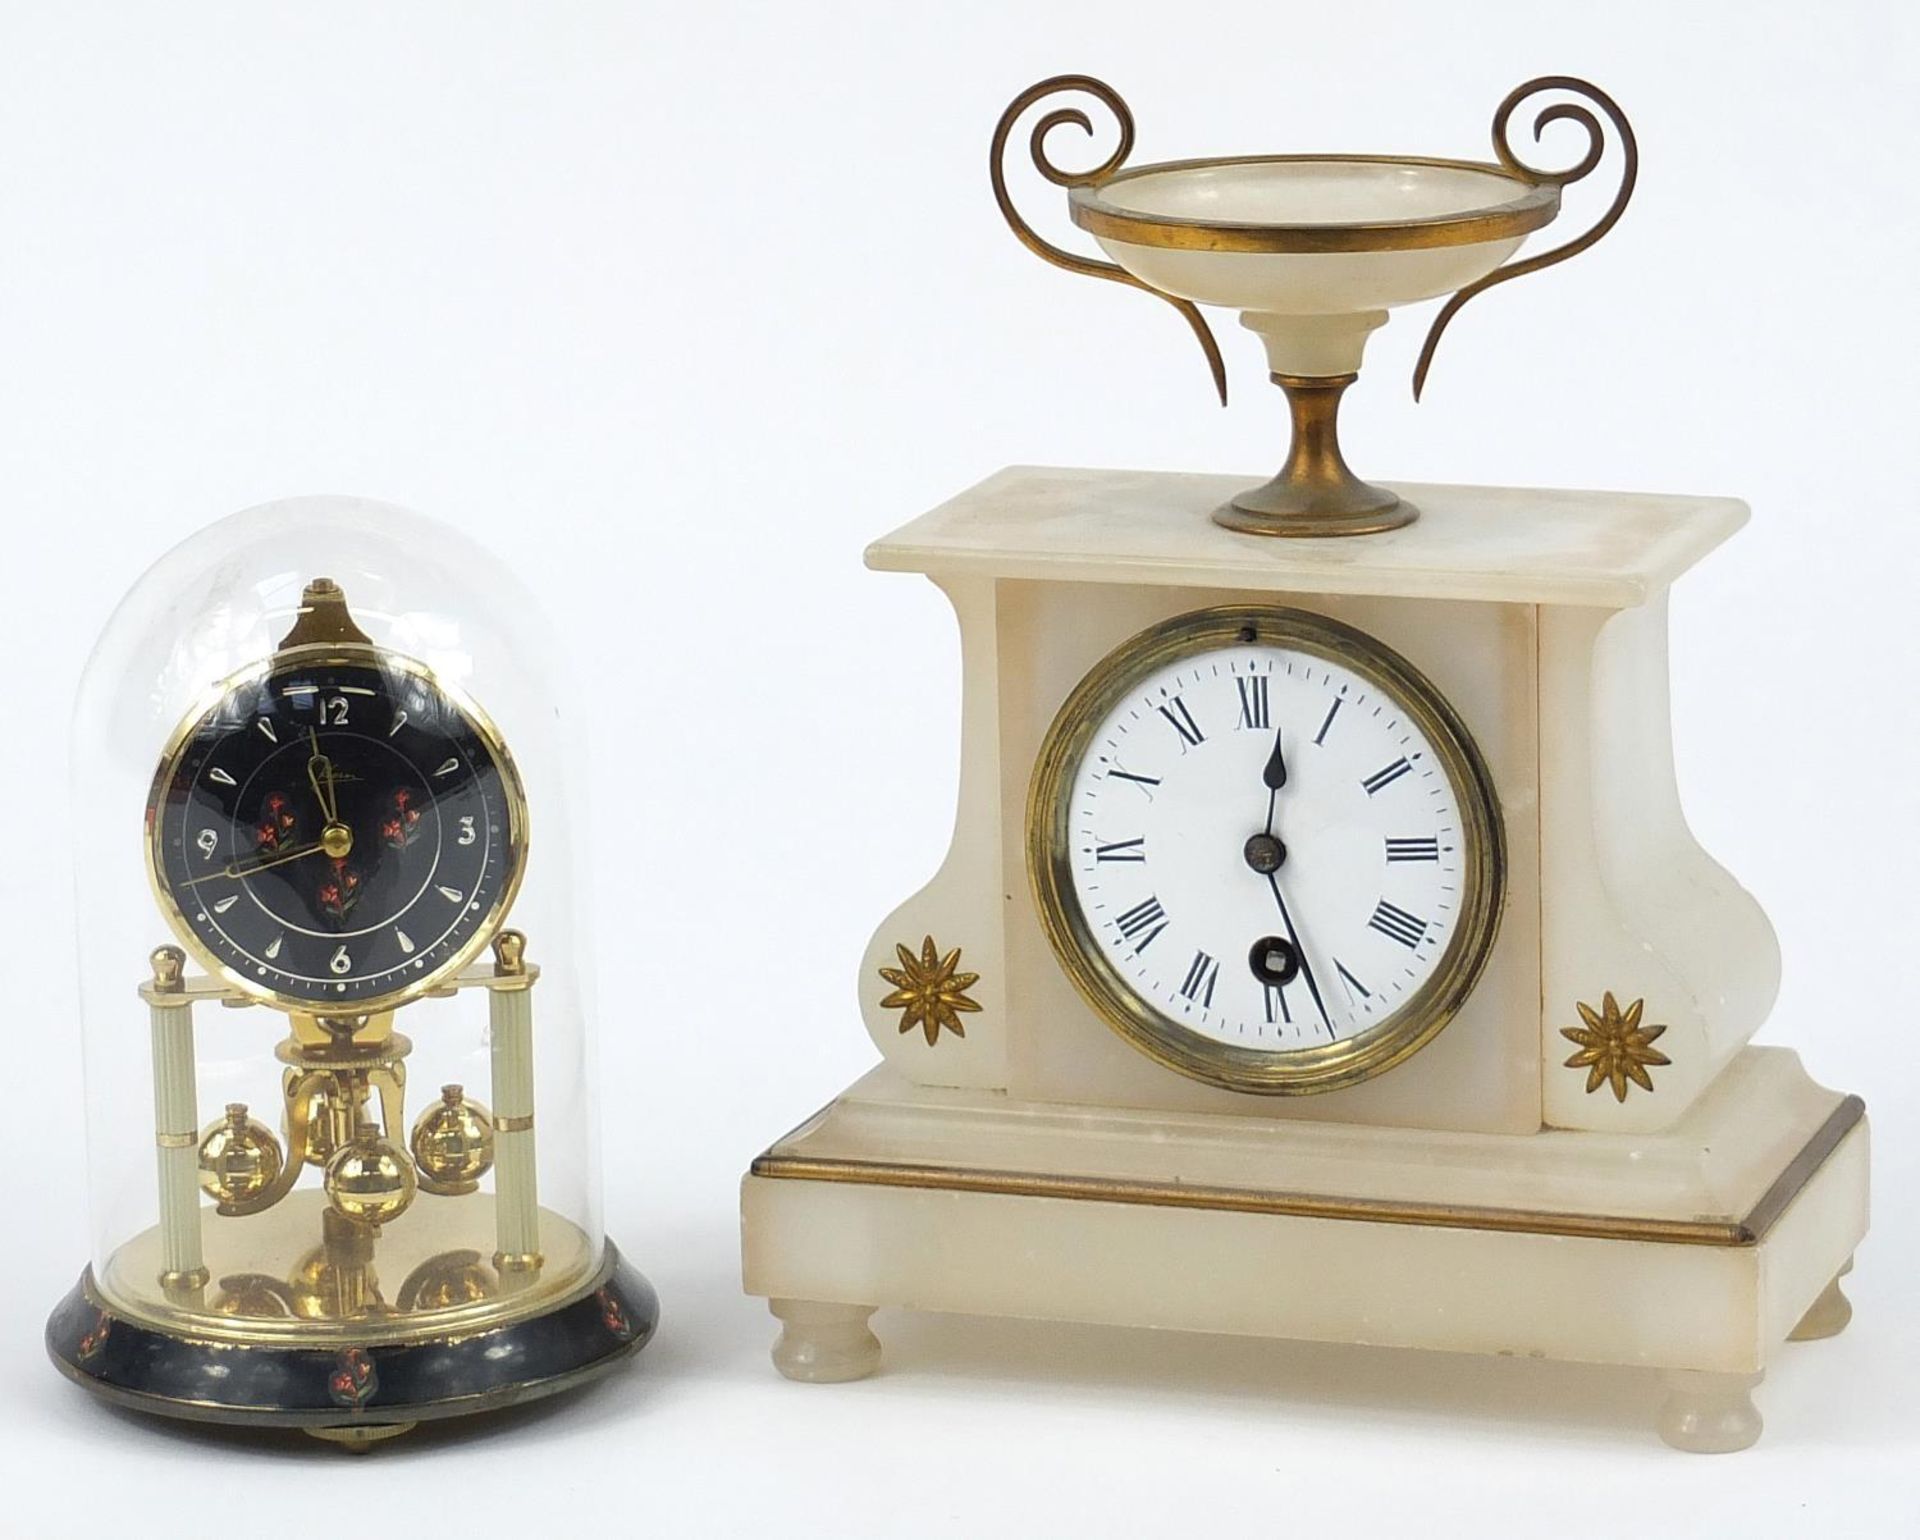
{"x":1299,"y":951}
{"x":233,"y":870}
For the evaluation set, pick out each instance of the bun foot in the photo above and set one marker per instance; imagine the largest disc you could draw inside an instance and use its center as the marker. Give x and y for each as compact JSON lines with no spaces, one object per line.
{"x":1828,"y":1315}
{"x":824,"y":1344}
{"x":1709,"y":1413}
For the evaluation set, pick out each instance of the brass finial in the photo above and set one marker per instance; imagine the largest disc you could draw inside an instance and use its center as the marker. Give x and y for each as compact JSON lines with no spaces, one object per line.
{"x":509,"y":953}
{"x":323,"y":617}
{"x":169,"y":968}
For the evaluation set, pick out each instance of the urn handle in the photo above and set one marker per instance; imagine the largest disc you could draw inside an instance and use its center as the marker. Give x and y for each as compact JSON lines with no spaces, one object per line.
{"x":1109,"y":98}
{"x":1557,"y":112}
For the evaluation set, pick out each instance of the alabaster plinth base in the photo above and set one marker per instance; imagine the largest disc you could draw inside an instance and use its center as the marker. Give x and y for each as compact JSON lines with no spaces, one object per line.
{"x":1696,"y":1251}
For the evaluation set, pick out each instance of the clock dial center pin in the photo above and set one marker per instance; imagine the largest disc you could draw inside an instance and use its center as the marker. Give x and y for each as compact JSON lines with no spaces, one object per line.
{"x":336,"y":839}
{"x":1265,"y":853}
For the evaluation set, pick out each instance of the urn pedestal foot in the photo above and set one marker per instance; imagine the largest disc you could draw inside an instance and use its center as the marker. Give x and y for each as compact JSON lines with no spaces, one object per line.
{"x":1709,"y":1413}
{"x":1828,"y":1315}
{"x":824,"y":1344}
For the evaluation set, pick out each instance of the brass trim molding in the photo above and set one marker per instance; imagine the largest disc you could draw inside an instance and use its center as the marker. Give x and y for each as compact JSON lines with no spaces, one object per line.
{"x":1749,"y":1230}
{"x":1532,"y":206}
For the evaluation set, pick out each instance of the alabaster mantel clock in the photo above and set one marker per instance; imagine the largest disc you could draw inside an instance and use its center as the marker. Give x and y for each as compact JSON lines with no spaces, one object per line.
{"x":339,"y":850}
{"x":1322,"y":952}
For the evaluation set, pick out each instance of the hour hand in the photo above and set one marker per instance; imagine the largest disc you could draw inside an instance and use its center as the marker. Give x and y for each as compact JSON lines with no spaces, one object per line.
{"x":1275,"y":774}
{"x":320,"y":777}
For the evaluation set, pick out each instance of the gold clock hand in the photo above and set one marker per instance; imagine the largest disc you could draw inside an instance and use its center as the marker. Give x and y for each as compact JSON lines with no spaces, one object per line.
{"x":320,"y":777}
{"x":233,"y":870}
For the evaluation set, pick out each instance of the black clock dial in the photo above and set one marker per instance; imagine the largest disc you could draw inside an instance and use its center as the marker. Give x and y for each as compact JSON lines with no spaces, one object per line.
{"x":337,"y":832}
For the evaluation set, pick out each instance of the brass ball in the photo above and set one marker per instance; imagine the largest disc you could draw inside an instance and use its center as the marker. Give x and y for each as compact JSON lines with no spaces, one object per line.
{"x":453,"y":1143}
{"x":253,"y":1295}
{"x":370,"y":1181}
{"x":239,"y":1157}
{"x":449,"y":1281}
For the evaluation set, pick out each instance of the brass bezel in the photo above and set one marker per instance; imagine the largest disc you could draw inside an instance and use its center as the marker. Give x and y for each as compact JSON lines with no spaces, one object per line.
{"x":1534,"y":205}
{"x":361,"y":654}
{"x":1295,"y":1072}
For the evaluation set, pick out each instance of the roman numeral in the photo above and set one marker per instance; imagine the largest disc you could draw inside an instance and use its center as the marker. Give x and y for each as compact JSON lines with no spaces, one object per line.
{"x":1201,"y":977}
{"x":1395,"y":923}
{"x":1122,"y":850}
{"x":1175,"y":711}
{"x":1145,"y":920}
{"x":1275,"y":992}
{"x":1253,"y":702}
{"x":1383,"y":778}
{"x":1413,"y":850}
{"x":1353,"y":984}
{"x":1142,"y":781}
{"x":1332,"y":712}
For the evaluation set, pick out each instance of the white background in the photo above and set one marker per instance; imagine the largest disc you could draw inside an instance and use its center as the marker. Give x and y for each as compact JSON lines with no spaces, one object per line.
{"x":681,"y":305}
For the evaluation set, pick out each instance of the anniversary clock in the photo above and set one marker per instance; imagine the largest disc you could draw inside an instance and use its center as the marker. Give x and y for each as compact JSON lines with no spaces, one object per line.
{"x":339,"y":839}
{"x":1320,"y":918}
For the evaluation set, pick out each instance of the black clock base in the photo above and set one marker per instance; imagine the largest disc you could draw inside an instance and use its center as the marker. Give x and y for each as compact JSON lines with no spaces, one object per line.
{"x":355,"y":1396}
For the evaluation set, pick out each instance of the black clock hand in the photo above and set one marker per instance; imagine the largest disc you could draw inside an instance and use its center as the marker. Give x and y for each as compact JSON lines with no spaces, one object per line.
{"x":1306,"y":968}
{"x":1274,"y":775}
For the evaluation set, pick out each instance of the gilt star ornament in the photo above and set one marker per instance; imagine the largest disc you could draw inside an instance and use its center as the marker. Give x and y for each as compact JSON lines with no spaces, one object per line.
{"x":1614,"y":1046}
{"x":928,"y":992}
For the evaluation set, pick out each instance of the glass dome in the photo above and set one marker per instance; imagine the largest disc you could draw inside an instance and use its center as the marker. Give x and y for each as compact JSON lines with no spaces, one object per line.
{"x":361,"y":1119}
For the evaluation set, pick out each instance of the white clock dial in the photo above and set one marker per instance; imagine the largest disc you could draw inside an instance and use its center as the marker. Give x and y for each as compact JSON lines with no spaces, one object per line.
{"x":1267,"y":835}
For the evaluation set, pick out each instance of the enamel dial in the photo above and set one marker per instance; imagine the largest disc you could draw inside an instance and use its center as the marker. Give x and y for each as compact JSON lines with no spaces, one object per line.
{"x":1266,"y":850}
{"x":337,"y":831}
